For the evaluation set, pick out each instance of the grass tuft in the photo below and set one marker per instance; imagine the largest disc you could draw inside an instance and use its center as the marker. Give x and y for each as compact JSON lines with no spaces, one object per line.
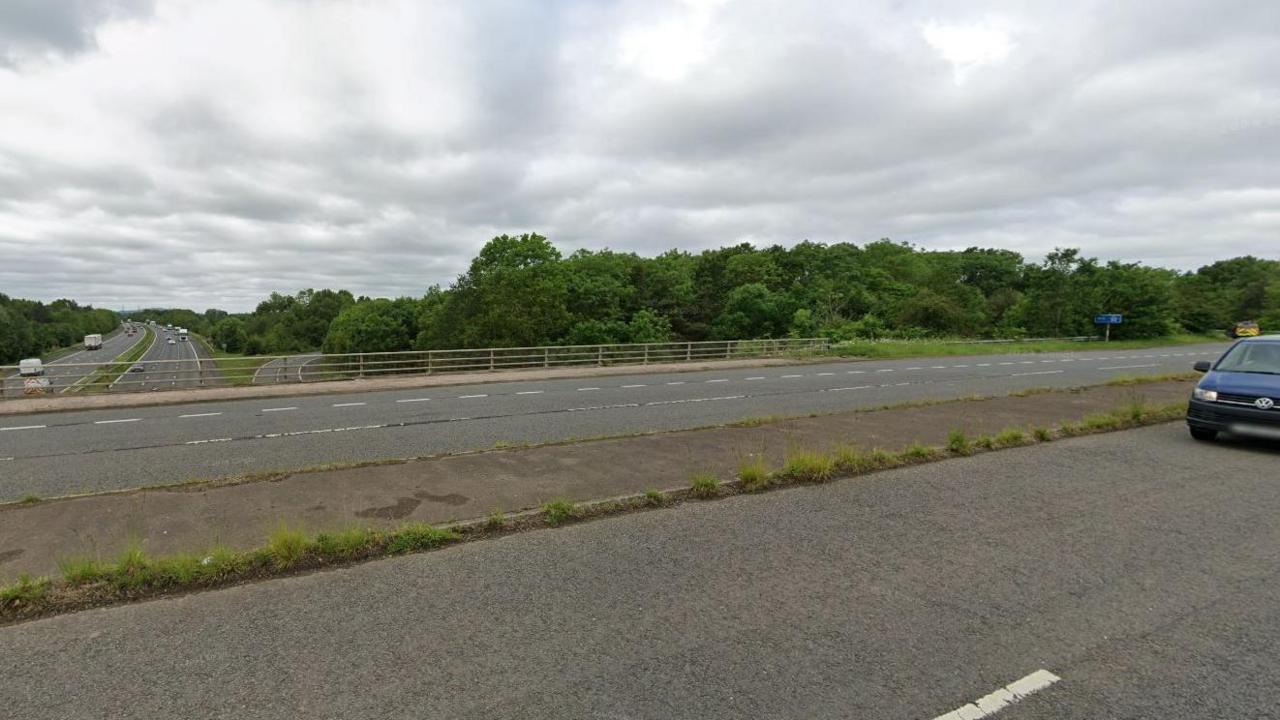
{"x":286,"y":546}
{"x":26,"y":590}
{"x":918,"y":452}
{"x":559,"y":512}
{"x":81,"y":571}
{"x":497,"y":520}
{"x":704,"y":485}
{"x":1042,"y":434}
{"x":30,"y":499}
{"x":415,"y":537}
{"x":1011,"y":437}
{"x":807,"y":466}
{"x":753,"y":474}
{"x":344,"y":544}
{"x":958,"y":442}
{"x":653,"y":497}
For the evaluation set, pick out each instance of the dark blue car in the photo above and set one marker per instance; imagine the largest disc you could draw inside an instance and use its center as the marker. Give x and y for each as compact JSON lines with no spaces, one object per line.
{"x":1240,"y":393}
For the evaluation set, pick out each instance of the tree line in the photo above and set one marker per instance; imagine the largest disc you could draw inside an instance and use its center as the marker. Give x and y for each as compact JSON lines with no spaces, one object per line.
{"x":521,"y":291}
{"x":29,"y":328}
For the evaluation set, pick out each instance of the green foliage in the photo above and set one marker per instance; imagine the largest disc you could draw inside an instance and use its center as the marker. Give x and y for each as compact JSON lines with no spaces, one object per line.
{"x":958,"y":442}
{"x":753,"y":474}
{"x":558,"y":512}
{"x":808,"y":466}
{"x":344,"y":544}
{"x":704,"y":485}
{"x":416,"y":537}
{"x":286,"y":546}
{"x":26,"y":590}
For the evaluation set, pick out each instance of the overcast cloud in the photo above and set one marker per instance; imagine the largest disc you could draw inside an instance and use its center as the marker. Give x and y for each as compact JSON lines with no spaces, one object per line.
{"x":203,"y":154}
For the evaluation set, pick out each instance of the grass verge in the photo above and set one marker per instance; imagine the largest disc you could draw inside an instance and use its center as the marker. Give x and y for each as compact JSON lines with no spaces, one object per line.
{"x":87,"y":582}
{"x":934,"y":348}
{"x":235,"y":369}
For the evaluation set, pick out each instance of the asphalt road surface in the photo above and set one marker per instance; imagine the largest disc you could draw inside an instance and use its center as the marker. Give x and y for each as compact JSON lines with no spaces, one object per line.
{"x":59,"y":453}
{"x":1140,"y":568}
{"x":67,"y":370}
{"x":170,"y":365}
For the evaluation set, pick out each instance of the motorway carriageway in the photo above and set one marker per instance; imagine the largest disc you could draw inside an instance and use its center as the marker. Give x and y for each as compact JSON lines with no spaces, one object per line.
{"x":162,"y":373}
{"x":55,"y":454}
{"x":61,"y":377}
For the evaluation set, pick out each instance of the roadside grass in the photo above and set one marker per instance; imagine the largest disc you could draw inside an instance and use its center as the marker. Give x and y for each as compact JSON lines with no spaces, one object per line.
{"x":933,"y":348}
{"x":958,"y":443}
{"x":235,"y":369}
{"x":100,"y":380}
{"x":134,"y":575}
{"x":704,"y":485}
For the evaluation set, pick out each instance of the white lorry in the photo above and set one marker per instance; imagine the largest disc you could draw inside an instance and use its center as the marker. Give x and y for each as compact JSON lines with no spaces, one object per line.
{"x":182,"y":333}
{"x":93,"y":342}
{"x":31,"y":367}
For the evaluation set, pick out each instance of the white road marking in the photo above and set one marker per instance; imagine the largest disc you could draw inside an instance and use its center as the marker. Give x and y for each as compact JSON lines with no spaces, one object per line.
{"x":1126,"y":367}
{"x":279,"y":409}
{"x":983,"y":365}
{"x":824,"y":374}
{"x":693,"y":400}
{"x":757,"y":377}
{"x":531,"y":392}
{"x":676,"y":382}
{"x":840,"y":389}
{"x":718,"y":380}
{"x":1042,"y":372}
{"x":792,"y":376}
{"x":959,"y":366}
{"x":25,"y":427}
{"x":1006,"y":363}
{"x":468,"y":397}
{"x":915,"y":368}
{"x":854,"y":372}
{"x":351,"y":404}
{"x":992,"y":703}
{"x":1048,"y":361}
{"x":4,"y":459}
{"x":634,"y":386}
{"x":586,"y":389}
{"x":195,"y":415}
{"x":938,"y":367}
{"x":203,"y":442}
{"x":112,"y":422}
{"x":1026,"y":362}
{"x":885,"y":370}
{"x":409,"y":400}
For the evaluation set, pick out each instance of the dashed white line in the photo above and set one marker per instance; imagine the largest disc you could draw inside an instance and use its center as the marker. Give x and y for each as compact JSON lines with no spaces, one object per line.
{"x":1126,"y":367}
{"x":841,"y":389}
{"x":757,"y":377}
{"x":854,"y":372}
{"x":1006,"y":363}
{"x":959,"y":366}
{"x":634,"y":386}
{"x":530,"y":392}
{"x":5,"y":459}
{"x":983,"y":365}
{"x":587,"y":389}
{"x":112,"y":422}
{"x":350,"y":404}
{"x":792,"y":376}
{"x":885,"y":370}
{"x":469,"y":397}
{"x":937,"y":367}
{"x":409,"y":400}
{"x":196,"y":415}
{"x":824,"y":374}
{"x":1042,"y":372}
{"x":718,"y":380}
{"x":205,"y":442}
{"x":992,"y":703}
{"x":25,"y":427}
{"x":915,"y":368}
{"x":280,"y":409}
{"x":1048,"y":361}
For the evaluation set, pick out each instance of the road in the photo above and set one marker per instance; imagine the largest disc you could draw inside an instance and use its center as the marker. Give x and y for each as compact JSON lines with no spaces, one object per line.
{"x":285,"y":370}
{"x":67,"y":370}
{"x":1139,"y":567}
{"x":59,"y":453}
{"x":169,"y":365}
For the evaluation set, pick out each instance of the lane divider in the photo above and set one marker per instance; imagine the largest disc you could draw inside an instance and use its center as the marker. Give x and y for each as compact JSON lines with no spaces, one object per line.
{"x":280,"y":409}
{"x":992,"y":703}
{"x":200,"y":415}
{"x":112,"y":422}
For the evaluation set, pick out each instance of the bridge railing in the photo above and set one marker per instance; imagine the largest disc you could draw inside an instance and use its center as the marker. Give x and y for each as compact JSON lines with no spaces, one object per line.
{"x":157,"y":375}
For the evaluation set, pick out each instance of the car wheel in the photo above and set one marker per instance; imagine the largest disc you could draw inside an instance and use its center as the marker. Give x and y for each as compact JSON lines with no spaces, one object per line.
{"x":1204,"y":434}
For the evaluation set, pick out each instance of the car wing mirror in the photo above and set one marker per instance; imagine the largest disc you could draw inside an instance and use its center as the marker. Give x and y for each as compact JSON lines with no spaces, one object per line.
{"x":1203,"y":366}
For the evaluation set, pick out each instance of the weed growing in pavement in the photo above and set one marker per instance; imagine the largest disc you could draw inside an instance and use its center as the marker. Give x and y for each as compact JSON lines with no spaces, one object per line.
{"x":653,"y":497}
{"x":344,"y":544}
{"x":1042,"y":434}
{"x":757,"y":421}
{"x":79,"y":571}
{"x":985,"y":442}
{"x":418,"y":536}
{"x":917,"y":452}
{"x":753,"y":474}
{"x":1011,"y":437}
{"x":496,"y":520}
{"x":285,"y":546}
{"x":958,"y":442}
{"x":31,"y":499}
{"x":849,"y":459}
{"x":558,"y":512}
{"x":704,"y":485}
{"x":25,"y":591}
{"x":807,"y":466}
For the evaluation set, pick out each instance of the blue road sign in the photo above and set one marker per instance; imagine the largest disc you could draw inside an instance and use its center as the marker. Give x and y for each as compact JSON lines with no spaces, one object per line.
{"x":1108,"y":320}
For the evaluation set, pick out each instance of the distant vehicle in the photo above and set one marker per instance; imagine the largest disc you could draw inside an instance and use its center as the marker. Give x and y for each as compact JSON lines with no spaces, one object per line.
{"x":182,"y":333}
{"x":1246,"y":328}
{"x":168,"y":326}
{"x":31,"y":367}
{"x":138,"y":368}
{"x":1240,"y":393}
{"x":171,"y":341}
{"x":93,"y":342}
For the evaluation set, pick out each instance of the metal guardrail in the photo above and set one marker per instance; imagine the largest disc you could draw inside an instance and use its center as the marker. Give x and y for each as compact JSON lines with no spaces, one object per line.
{"x":963,"y":341}
{"x":205,"y":372}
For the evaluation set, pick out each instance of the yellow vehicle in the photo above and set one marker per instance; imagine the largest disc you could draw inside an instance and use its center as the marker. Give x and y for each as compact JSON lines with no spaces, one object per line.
{"x":1247,"y":328}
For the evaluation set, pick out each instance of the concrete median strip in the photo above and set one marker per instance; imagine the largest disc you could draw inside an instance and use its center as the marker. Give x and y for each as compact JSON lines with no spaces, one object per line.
{"x":379,"y":498}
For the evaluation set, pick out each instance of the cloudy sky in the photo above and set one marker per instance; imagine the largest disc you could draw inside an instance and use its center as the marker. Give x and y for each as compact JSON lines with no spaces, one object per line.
{"x":206,"y":153}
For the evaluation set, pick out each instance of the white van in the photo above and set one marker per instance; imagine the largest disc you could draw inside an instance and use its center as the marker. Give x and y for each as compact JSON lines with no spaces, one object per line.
{"x":31,"y":367}
{"x":93,"y":342}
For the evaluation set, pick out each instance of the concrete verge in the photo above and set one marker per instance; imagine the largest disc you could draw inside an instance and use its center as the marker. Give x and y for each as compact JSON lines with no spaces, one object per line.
{"x":192,"y":519}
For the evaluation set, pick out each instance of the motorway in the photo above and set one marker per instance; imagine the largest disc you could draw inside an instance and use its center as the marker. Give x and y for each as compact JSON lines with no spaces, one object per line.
{"x":170,"y":365}
{"x":1138,"y":568}
{"x":67,"y":370}
{"x":55,"y":454}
